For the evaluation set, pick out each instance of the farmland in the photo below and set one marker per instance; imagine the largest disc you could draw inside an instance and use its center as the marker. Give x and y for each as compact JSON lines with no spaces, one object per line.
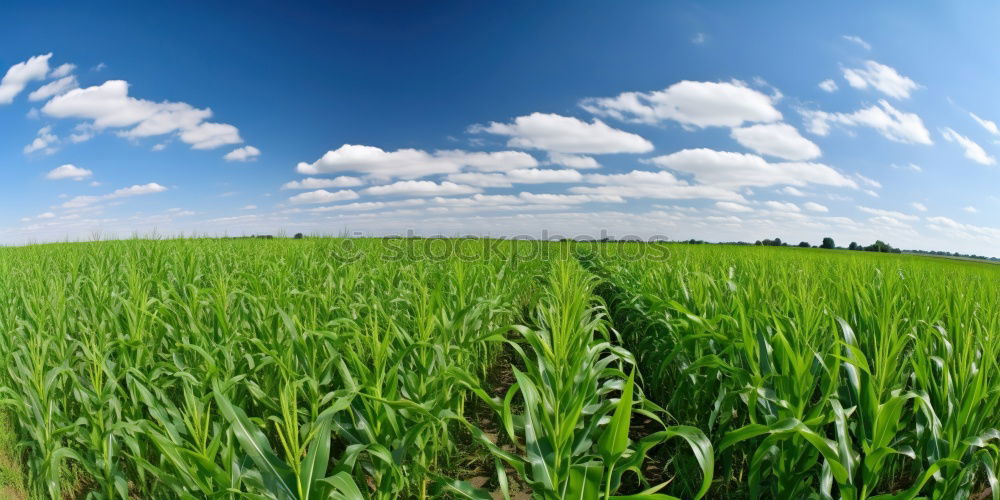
{"x":377,"y":368}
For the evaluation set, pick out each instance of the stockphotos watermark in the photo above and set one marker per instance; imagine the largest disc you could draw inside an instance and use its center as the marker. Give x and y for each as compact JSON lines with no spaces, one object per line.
{"x":412,"y":246}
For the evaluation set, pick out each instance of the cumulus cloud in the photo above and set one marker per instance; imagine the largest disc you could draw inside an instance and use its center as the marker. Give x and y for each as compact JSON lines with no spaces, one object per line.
{"x":62,"y":71}
{"x":791,"y":191}
{"x":44,"y":141}
{"x":316,"y":183}
{"x":565,"y":134}
{"x":499,"y":161}
{"x":541,"y":176}
{"x":22,"y":73}
{"x":920,"y":207}
{"x":421,"y":188}
{"x":246,"y":153}
{"x":971,"y":209}
{"x":893,"y":124}
{"x":412,"y":163}
{"x":732,"y":207}
{"x":480,"y":179}
{"x":776,"y":139}
{"x":136,"y":190}
{"x":697,"y":104}
{"x":973,"y":151}
{"x":573,"y":161}
{"x":208,"y":135}
{"x":782,"y":206}
{"x":643,"y":184}
{"x":58,"y":87}
{"x":736,"y":170}
{"x":989,"y":125}
{"x":828,"y":85}
{"x":323,"y":196}
{"x":888,"y":213}
{"x":815,"y":207}
{"x":568,"y":199}
{"x":109,"y":106}
{"x":69,"y":171}
{"x":883,"y":78}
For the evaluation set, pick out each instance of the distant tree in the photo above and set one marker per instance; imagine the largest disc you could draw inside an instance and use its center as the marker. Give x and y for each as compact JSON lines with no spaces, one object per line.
{"x":299,"y":236}
{"x":804,"y":244}
{"x":828,"y":243}
{"x":880,"y":246}
{"x":853,"y":246}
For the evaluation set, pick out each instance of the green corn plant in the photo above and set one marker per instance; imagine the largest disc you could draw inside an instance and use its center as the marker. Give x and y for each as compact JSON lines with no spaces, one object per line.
{"x":571,"y":371}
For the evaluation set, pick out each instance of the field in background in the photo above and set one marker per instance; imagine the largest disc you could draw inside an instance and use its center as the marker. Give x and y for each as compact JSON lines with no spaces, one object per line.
{"x":469,"y":368}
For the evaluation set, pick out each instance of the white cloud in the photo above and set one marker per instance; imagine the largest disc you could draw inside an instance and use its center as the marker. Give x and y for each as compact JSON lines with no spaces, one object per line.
{"x":882,"y":78}
{"x":136,"y":190}
{"x":735,"y":170}
{"x":699,"y":104}
{"x":44,"y":141}
{"x":973,"y":151}
{"x":910,"y":166}
{"x":249,"y":207}
{"x":62,"y":71}
{"x":888,"y":213}
{"x":421,"y":188}
{"x":815,"y":207}
{"x":782,"y":206}
{"x":58,"y":87}
{"x":971,"y":209}
{"x":858,"y":40}
{"x":499,"y":161}
{"x":315,"y":183}
{"x":69,"y":171}
{"x":869,"y":181}
{"x":643,"y":184}
{"x":893,"y":124}
{"x":480,"y":179}
{"x":479,"y":200}
{"x":828,"y":85}
{"x":565,"y":134}
{"x":22,"y":73}
{"x":568,"y":199}
{"x":776,"y":139}
{"x":370,"y":205}
{"x":732,"y":207}
{"x":573,"y":161}
{"x":541,"y":176}
{"x":246,"y":153}
{"x":699,"y":38}
{"x":791,"y":191}
{"x":965,"y":231}
{"x":989,"y":125}
{"x":323,"y":196}
{"x":109,"y":106}
{"x":412,"y":163}
{"x":920,"y":207}
{"x":207,"y":135}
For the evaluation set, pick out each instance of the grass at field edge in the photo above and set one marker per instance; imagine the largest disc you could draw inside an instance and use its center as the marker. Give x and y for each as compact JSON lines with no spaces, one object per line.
{"x":11,"y":475}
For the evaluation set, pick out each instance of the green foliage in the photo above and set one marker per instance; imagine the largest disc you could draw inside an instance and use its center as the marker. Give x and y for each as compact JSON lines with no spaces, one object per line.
{"x":820,"y":375}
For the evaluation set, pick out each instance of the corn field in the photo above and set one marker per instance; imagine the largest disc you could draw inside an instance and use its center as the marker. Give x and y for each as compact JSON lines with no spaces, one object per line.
{"x":383,"y":369}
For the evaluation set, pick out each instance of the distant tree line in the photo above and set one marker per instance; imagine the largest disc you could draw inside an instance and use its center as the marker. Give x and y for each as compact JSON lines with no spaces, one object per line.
{"x":828,"y":243}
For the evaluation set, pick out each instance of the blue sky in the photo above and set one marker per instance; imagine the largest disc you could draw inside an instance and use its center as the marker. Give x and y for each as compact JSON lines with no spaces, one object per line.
{"x":722,"y":121}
